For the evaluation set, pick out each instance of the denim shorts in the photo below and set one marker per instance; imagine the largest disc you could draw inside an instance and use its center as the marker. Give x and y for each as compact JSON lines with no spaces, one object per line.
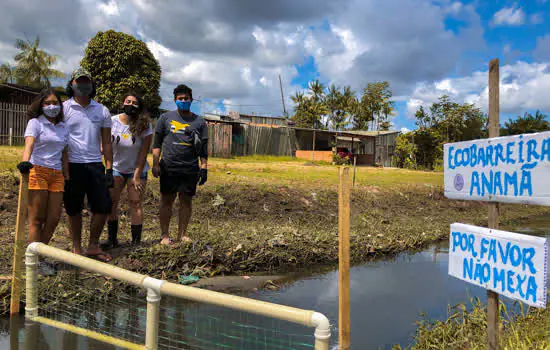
{"x":130,"y":176}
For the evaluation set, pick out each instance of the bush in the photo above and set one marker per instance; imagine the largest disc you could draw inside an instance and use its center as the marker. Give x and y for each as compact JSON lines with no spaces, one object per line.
{"x":405,"y":151}
{"x":336,"y":159}
{"x":119,"y":62}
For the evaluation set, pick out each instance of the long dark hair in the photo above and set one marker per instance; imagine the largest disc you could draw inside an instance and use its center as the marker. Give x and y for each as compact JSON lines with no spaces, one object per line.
{"x":35,"y":110}
{"x":139,"y":124}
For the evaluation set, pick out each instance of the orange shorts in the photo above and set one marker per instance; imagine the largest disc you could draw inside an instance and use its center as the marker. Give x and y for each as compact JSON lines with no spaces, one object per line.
{"x":46,"y":179}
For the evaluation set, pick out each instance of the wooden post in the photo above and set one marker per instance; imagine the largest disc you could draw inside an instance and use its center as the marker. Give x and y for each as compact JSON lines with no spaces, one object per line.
{"x":343,"y":259}
{"x":11,"y":137}
{"x":313,"y":152}
{"x":14,"y":332}
{"x":19,"y":246}
{"x":493,"y":208}
{"x":354,"y":168}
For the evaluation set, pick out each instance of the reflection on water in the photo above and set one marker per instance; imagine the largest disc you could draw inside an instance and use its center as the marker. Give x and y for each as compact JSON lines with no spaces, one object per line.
{"x":386,"y":300}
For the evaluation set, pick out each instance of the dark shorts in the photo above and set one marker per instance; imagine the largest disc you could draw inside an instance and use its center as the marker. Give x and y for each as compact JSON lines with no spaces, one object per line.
{"x":179,"y":183}
{"x":87,"y":180}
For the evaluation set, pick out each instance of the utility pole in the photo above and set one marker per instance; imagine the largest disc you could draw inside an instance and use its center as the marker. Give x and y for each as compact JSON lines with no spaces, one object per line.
{"x":282,"y":96}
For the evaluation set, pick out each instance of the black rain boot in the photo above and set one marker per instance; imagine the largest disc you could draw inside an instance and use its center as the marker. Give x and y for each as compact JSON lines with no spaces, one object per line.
{"x":112,"y":240}
{"x":136,"y":234}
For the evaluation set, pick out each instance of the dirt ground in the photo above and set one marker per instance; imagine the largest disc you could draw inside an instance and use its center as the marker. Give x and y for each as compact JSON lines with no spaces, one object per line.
{"x":239,"y":228}
{"x":265,"y":216}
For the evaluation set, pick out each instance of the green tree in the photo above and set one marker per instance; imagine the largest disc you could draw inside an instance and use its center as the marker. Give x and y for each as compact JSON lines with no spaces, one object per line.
{"x":317,"y":91}
{"x":341,"y":106}
{"x":405,"y":151}
{"x":445,"y":121}
{"x":7,"y":73}
{"x":375,"y":106}
{"x":310,"y":110}
{"x":119,"y":62}
{"x":527,"y":124}
{"x":33,"y":65}
{"x":336,"y":108}
{"x":385,"y":125}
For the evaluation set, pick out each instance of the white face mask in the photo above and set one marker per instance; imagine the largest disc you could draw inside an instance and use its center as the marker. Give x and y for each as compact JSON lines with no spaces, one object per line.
{"x":51,"y":111}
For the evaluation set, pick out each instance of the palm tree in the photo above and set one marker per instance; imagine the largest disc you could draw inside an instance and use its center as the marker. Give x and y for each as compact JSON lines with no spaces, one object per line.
{"x":297,"y":98}
{"x":7,"y":73}
{"x":334,"y":103}
{"x":34,"y":64}
{"x":317,"y":90}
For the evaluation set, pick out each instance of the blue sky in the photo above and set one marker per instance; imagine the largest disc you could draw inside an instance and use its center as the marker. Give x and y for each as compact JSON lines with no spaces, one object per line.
{"x":513,"y":40}
{"x":232,"y":53}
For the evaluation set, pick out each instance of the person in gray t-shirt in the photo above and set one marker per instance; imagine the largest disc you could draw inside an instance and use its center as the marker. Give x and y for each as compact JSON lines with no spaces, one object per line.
{"x":182,"y":138}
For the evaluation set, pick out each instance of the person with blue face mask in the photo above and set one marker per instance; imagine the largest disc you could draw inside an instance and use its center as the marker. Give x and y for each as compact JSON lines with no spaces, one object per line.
{"x":89,"y":124}
{"x":182,"y":138}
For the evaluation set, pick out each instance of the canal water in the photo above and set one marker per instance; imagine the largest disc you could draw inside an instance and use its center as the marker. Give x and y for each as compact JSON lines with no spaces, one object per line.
{"x":387,"y":297}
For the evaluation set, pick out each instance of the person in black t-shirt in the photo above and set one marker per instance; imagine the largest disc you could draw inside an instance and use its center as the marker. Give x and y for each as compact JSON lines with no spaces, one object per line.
{"x":182,"y":138}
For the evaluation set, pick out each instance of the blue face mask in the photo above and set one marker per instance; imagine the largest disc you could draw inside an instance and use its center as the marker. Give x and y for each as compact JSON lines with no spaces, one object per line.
{"x":183,"y":106}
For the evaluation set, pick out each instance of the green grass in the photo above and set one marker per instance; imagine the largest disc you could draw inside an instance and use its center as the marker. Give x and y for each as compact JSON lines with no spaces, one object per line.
{"x":271,"y":170}
{"x":466,"y":328}
{"x":10,"y":157}
{"x":263,"y":158}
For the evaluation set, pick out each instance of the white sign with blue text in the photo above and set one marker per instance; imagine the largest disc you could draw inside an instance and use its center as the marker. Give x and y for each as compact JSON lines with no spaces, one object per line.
{"x":513,"y":169}
{"x":510,"y":264}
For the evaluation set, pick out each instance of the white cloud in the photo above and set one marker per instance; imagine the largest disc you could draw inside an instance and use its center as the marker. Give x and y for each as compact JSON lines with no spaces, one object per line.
{"x":236,"y":52}
{"x":110,"y":8}
{"x":523,"y":87}
{"x":158,"y":50}
{"x":365,"y":45}
{"x":404,"y":130}
{"x":513,"y":16}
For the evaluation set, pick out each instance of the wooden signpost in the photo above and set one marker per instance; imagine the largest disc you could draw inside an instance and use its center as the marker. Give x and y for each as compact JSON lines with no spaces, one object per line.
{"x":493,"y":209}
{"x":344,"y":259}
{"x":512,"y":169}
{"x":19,"y":247}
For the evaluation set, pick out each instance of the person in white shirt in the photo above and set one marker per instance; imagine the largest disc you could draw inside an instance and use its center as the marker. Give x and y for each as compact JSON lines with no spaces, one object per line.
{"x":131,"y":136}
{"x":90,"y":132}
{"x":45,"y":160}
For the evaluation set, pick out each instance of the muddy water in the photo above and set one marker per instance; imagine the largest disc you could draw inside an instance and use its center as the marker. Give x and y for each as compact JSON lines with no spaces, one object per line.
{"x":387,"y":298}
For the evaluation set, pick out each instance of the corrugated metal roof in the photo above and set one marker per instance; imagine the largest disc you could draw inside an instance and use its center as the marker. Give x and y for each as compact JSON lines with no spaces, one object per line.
{"x":352,"y":133}
{"x":374,"y":133}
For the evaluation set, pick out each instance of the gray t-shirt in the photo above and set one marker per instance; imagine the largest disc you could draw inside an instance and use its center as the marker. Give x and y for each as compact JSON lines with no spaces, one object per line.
{"x":174,"y":134}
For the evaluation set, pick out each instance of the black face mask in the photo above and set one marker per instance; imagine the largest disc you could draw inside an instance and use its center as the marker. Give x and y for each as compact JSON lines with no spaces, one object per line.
{"x":130,"y":110}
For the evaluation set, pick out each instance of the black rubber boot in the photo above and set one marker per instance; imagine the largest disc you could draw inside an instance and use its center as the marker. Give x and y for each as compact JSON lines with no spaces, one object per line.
{"x":112,"y":240}
{"x":136,"y":234}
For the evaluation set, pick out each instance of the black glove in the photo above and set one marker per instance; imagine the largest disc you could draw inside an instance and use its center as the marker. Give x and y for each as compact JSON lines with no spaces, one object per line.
{"x":109,"y":178}
{"x":25,"y":167}
{"x":203,"y":176}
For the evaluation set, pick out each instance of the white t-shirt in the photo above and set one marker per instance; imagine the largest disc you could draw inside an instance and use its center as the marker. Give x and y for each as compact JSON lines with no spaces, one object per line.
{"x":126,"y":147}
{"x":49,"y":141}
{"x":85,"y":124}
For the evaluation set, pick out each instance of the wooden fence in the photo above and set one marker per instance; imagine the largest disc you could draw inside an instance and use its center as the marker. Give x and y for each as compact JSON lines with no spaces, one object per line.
{"x":225,"y":140}
{"x":250,"y":140}
{"x":219,"y":140}
{"x":13,"y":121}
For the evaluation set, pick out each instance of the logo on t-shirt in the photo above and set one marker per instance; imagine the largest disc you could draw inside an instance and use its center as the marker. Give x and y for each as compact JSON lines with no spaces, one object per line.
{"x":125,"y":136}
{"x":177,"y":127}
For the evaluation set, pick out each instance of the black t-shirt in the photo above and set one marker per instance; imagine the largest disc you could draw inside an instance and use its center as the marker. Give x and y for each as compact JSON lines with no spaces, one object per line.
{"x":174,"y":134}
